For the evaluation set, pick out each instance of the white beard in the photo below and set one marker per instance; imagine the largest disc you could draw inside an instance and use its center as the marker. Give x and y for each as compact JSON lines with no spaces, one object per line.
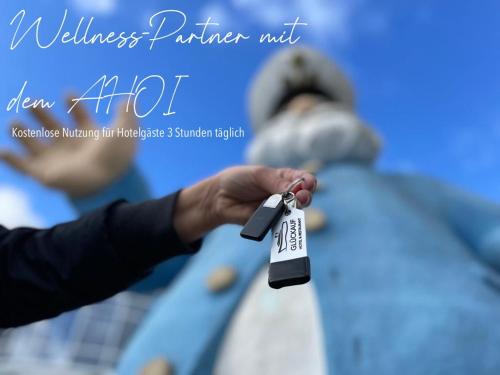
{"x":326,"y":133}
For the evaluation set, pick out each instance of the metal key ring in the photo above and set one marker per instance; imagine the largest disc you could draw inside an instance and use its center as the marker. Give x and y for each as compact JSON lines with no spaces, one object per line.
{"x":294,"y":184}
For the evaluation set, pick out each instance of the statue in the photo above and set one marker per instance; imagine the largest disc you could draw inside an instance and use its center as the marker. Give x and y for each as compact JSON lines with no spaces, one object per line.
{"x":404,"y":268}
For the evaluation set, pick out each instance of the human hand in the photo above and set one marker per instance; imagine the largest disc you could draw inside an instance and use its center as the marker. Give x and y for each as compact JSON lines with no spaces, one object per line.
{"x":240,"y":190}
{"x":77,"y":166}
{"x":232,"y":196}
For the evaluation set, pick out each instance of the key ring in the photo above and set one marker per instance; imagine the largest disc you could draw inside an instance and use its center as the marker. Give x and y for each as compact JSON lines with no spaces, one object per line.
{"x":289,"y":197}
{"x":293,"y":184}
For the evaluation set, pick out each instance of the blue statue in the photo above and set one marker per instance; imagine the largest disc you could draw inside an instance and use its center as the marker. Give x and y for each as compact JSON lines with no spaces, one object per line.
{"x":404,"y":268}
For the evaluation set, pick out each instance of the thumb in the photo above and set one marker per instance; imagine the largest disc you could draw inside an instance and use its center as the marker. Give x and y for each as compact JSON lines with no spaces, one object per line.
{"x":18,"y":163}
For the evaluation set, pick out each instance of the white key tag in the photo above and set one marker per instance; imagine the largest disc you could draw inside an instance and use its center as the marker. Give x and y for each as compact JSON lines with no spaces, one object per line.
{"x":289,"y":261}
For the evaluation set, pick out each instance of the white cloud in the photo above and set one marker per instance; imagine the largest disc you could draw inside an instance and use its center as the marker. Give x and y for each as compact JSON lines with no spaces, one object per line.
{"x":218,"y":14}
{"x":95,"y":7}
{"x":328,"y":20}
{"x":16,"y":210}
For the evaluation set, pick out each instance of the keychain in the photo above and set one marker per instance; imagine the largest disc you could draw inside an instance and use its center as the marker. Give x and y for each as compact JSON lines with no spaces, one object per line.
{"x":264,"y":218}
{"x":289,"y":263}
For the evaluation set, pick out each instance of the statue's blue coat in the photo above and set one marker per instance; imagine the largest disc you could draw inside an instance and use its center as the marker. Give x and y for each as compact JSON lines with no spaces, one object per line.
{"x":406,"y":273}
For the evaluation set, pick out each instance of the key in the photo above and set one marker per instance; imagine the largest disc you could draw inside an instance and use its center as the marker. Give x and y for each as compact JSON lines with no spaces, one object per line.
{"x":289,"y":263}
{"x":267,"y":214}
{"x":264,"y":218}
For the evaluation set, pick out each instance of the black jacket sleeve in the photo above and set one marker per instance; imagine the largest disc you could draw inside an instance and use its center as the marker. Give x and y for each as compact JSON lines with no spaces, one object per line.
{"x":46,"y":272}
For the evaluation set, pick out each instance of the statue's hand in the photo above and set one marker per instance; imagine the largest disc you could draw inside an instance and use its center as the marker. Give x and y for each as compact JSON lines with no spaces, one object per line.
{"x":77,"y":166}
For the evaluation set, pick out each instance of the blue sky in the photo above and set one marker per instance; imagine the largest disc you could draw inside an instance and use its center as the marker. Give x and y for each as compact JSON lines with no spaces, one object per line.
{"x":426,"y":73}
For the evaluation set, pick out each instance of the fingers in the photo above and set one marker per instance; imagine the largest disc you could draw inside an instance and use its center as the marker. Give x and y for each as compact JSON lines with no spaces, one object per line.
{"x":308,"y":183}
{"x":126,"y":118}
{"x":14,"y":161}
{"x":80,"y":114}
{"x":304,"y":197}
{"x":32,"y":145}
{"x":278,"y":180}
{"x":45,"y":118}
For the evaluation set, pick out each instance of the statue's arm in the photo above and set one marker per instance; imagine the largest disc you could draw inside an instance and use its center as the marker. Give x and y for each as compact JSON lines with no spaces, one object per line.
{"x":130,"y":186}
{"x":475,"y":220}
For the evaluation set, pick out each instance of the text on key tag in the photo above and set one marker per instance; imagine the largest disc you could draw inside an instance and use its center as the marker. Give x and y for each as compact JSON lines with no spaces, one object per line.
{"x":289,"y":261}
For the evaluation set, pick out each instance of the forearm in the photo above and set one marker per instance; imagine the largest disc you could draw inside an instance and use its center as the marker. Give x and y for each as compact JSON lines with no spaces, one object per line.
{"x":46,"y":272}
{"x":195,"y":212}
